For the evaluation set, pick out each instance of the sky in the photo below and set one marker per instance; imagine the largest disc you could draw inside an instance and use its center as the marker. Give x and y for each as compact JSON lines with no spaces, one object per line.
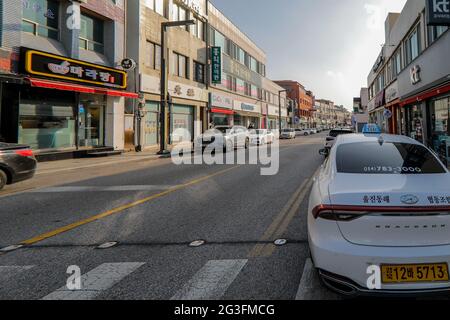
{"x":327,"y":45}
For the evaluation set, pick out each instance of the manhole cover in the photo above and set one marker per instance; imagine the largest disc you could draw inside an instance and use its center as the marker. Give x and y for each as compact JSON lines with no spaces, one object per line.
{"x":11,"y":248}
{"x":280,"y":242}
{"x":107,"y":245}
{"x":197,"y":243}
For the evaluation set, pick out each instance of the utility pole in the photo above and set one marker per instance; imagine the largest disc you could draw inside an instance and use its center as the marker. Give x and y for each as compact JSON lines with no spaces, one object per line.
{"x":165,"y":82}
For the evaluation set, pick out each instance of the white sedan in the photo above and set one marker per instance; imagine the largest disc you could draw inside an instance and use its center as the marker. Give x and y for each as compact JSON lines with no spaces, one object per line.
{"x":261,"y":137}
{"x":379,"y":217}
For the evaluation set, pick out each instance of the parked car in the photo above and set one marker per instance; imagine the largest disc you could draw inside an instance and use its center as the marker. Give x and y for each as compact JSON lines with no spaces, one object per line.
{"x":381,"y":201}
{"x":261,"y":137}
{"x":17,"y":163}
{"x":226,"y":138}
{"x":288,"y":134}
{"x":313,"y":130}
{"x":302,"y":132}
{"x":334,"y":133}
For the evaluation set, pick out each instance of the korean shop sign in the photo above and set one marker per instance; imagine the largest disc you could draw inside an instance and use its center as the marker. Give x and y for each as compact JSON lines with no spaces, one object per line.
{"x":216,"y":65}
{"x":57,"y":67}
{"x":438,"y":12}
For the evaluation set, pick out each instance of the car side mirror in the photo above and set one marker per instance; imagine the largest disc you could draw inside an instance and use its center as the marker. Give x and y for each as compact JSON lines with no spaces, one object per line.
{"x":323,"y":152}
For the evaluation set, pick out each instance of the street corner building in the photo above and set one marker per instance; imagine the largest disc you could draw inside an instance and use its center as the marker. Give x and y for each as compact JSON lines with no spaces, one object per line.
{"x":409,"y":84}
{"x":61,"y":90}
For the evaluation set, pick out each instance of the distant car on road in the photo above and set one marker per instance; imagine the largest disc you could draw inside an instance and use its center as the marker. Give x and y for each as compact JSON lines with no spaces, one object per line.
{"x":17,"y":163}
{"x":334,"y":133}
{"x":261,"y":137}
{"x":302,"y":132}
{"x":226,"y":138}
{"x":287,"y":134}
{"x":381,"y":205}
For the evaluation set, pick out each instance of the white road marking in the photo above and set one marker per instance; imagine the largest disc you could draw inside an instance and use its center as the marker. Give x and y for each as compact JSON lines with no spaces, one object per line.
{"x":311,"y":287}
{"x":6,"y":272}
{"x":212,"y":281}
{"x":102,"y":189}
{"x":307,"y":282}
{"x":96,"y":281}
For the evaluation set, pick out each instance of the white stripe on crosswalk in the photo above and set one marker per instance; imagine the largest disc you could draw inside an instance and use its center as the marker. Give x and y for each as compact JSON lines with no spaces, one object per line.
{"x":102,"y":189}
{"x":212,"y":281}
{"x":96,"y":281}
{"x":6,"y":272}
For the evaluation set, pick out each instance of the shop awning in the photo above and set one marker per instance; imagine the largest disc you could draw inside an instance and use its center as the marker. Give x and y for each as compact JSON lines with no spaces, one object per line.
{"x":222,"y":111}
{"x":425,"y":95}
{"x":78,"y":88}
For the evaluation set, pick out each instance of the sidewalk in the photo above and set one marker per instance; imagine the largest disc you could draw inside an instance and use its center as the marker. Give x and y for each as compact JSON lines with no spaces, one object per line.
{"x":73,"y":170}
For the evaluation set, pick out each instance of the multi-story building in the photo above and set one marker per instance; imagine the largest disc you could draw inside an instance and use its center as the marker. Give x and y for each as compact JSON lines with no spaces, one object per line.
{"x":187,"y":61}
{"x":326,"y":112}
{"x":245,"y":95}
{"x":409,"y":86}
{"x":61,"y":91}
{"x":305,"y":101}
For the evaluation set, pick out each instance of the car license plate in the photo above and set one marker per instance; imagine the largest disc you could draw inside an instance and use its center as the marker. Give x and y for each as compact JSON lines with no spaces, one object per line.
{"x":437,"y":272}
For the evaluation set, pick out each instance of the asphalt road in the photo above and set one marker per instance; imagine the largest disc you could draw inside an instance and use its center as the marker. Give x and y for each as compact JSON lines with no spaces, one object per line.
{"x":153,"y":214}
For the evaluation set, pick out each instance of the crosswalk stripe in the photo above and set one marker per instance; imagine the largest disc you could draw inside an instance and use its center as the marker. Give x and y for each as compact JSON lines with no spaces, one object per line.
{"x":212,"y":281}
{"x":7,"y":272}
{"x":96,"y":281}
{"x":102,"y":189}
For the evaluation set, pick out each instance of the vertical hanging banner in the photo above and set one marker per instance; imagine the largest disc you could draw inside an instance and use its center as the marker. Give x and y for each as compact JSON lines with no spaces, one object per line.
{"x":216,"y":65}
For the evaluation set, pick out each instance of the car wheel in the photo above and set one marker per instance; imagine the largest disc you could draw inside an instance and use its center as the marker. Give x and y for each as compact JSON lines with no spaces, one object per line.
{"x":3,"y":179}
{"x":305,"y":134}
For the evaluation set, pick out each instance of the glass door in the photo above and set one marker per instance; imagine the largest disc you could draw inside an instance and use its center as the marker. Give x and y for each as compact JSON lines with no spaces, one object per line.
{"x":91,"y":121}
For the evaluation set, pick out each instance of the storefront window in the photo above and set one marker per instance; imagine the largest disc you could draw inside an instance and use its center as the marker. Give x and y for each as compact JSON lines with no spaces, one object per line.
{"x":47,"y":125}
{"x":40,"y":17}
{"x":182,"y":123}
{"x":221,"y":119}
{"x":91,"y":120}
{"x":415,"y":123}
{"x":151,"y":123}
{"x":440,"y":130}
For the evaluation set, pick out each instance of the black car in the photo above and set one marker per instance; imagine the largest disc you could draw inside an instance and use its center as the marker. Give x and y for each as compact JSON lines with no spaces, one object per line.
{"x":17,"y":163}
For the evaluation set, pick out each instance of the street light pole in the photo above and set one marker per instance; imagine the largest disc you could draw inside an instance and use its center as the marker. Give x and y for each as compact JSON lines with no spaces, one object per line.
{"x":279,"y":109}
{"x":165,"y":82}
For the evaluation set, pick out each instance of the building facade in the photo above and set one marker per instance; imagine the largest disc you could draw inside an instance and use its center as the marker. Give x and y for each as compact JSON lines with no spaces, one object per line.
{"x":187,"y":60}
{"x":409,"y":86}
{"x":61,"y":89}
{"x":304,"y":100}
{"x":242,"y":96}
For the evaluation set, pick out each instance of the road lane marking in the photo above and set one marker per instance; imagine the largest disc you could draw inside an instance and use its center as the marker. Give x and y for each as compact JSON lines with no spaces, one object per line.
{"x":282,"y":220}
{"x":96,"y":281}
{"x":307,"y":281}
{"x":103,"y":188}
{"x":268,"y":234}
{"x":119,"y":209}
{"x":212,"y":281}
{"x":122,"y":208}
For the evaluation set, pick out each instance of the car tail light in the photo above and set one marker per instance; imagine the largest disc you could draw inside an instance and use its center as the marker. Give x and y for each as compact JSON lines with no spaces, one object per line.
{"x":336,"y":213}
{"x":24,"y":153}
{"x":349,"y":213}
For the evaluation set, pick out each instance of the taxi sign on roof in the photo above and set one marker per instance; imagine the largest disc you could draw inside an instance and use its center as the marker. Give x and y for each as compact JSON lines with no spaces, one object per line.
{"x":371,"y":128}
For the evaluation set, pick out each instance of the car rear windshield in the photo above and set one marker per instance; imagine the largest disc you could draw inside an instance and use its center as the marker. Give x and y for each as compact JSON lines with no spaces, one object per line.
{"x":386,"y":158}
{"x":335,"y":133}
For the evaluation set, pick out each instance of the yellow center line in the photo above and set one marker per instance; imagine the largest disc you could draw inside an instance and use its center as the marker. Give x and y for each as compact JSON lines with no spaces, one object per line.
{"x":282,"y":220}
{"x":77,"y":224}
{"x":122,"y":208}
